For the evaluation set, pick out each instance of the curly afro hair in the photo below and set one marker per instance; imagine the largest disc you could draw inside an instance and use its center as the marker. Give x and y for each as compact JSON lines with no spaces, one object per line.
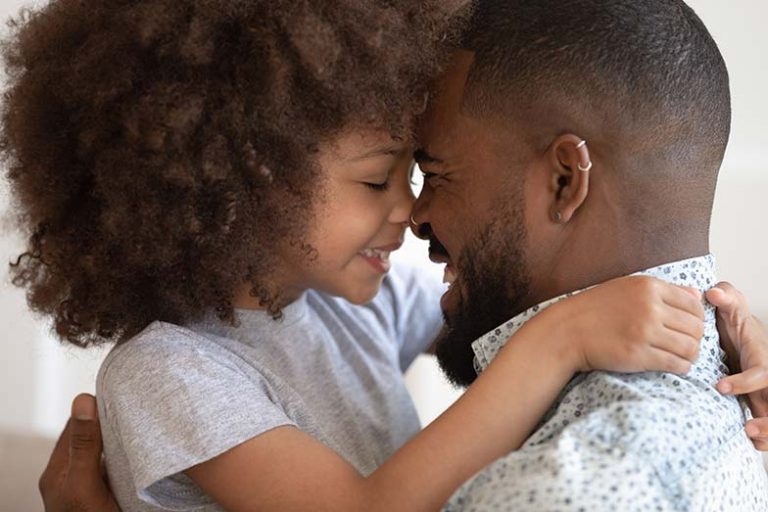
{"x":157,"y":149}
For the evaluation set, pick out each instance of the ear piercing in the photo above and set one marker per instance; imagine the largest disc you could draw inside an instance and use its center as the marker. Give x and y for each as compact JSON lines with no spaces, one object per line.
{"x":558,"y":217}
{"x":413,"y":221}
{"x":588,"y":168}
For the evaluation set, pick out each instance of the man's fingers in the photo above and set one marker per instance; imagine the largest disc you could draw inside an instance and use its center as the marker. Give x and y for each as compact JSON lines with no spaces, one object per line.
{"x":728,"y":300}
{"x":758,"y":428}
{"x":749,"y":381}
{"x":758,"y":403}
{"x":84,"y":438}
{"x":58,"y":462}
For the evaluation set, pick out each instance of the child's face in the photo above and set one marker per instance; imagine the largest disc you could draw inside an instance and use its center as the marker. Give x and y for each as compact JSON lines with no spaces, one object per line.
{"x":362,"y":217}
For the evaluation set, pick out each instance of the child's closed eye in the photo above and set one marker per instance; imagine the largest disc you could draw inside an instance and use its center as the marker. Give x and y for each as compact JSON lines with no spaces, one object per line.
{"x":378,"y":187}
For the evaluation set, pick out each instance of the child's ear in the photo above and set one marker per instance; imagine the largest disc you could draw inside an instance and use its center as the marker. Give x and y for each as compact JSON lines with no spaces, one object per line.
{"x":570,"y":166}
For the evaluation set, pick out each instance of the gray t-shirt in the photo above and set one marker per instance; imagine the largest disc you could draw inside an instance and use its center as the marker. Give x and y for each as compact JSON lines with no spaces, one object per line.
{"x":173,"y":397}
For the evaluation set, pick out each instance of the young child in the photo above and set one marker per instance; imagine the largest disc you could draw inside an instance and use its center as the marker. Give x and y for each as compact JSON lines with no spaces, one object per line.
{"x":217,"y":187}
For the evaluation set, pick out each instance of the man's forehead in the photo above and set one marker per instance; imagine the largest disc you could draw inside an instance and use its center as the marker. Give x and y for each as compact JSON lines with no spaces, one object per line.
{"x":443,"y":114}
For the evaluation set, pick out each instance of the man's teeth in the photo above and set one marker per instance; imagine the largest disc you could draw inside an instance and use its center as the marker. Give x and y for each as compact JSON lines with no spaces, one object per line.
{"x":449,"y":276}
{"x":375,"y":253}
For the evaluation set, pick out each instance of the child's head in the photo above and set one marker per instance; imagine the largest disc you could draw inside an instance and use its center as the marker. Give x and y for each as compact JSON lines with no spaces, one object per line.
{"x":167,"y":157}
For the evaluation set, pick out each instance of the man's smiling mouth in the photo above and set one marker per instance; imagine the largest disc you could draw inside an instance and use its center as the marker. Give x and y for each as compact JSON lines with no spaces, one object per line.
{"x":439,"y":254}
{"x":449,"y":275}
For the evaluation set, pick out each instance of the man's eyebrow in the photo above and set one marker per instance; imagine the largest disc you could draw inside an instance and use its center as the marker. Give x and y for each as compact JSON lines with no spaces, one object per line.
{"x":386,"y":150}
{"x":422,"y":157}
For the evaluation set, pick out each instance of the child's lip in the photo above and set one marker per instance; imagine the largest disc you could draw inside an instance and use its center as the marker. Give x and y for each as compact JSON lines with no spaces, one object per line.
{"x":389,"y":248}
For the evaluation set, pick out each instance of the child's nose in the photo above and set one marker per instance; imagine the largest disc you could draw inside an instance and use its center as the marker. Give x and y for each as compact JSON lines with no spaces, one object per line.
{"x":401,"y":212}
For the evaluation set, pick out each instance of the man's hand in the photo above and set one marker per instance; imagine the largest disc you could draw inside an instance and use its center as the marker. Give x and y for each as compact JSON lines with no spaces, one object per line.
{"x":745,"y":340}
{"x":75,"y":479}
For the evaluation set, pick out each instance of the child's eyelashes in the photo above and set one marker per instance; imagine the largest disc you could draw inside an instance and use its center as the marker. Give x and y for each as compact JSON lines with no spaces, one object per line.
{"x":378,"y":187}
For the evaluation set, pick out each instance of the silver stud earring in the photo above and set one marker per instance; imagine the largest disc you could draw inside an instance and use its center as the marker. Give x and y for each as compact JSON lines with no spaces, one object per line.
{"x":558,"y":217}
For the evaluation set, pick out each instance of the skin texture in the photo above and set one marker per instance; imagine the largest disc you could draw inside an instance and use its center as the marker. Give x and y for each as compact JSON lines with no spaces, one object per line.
{"x":365,"y":202}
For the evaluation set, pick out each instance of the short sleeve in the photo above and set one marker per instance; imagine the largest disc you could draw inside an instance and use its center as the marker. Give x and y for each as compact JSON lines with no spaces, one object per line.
{"x":413,"y":295}
{"x":174,"y":400}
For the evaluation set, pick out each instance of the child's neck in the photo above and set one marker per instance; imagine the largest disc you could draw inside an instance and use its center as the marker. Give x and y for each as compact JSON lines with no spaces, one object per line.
{"x":242,"y":298}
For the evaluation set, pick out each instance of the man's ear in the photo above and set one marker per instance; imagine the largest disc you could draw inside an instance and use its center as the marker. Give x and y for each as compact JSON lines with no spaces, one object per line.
{"x":570,"y":165}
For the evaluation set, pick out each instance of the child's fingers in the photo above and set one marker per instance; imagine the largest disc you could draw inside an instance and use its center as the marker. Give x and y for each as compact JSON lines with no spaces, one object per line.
{"x":685,"y":323}
{"x":684,"y":298}
{"x":749,"y":381}
{"x":663,"y":361}
{"x":678,"y":344}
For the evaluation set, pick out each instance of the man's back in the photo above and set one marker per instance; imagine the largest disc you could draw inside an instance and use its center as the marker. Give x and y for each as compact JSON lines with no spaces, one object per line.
{"x":640,"y":442}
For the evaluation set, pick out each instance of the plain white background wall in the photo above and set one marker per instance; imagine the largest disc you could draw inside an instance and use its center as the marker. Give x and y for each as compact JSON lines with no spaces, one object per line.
{"x":38,"y":377}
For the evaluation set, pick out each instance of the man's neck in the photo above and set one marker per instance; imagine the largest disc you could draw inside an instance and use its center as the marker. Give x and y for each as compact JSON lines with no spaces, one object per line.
{"x":594,"y":264}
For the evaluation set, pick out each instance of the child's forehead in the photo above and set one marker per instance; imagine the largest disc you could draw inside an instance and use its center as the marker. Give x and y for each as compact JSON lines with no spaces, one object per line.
{"x":361,"y":145}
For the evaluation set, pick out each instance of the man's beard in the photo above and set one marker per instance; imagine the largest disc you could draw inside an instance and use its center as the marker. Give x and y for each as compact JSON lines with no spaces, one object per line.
{"x":494,"y":281}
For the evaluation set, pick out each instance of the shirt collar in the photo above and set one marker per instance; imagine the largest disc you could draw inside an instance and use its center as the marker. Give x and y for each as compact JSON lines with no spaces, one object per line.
{"x":696,"y":272}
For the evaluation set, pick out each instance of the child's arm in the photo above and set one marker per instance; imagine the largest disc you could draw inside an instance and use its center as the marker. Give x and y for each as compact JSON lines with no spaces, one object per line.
{"x":630,"y":324}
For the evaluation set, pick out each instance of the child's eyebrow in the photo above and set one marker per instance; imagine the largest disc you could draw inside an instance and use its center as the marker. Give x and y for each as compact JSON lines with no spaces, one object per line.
{"x":386,"y":150}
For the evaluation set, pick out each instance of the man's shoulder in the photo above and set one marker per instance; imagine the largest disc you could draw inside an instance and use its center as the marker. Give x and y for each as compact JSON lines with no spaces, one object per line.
{"x":665,"y":421}
{"x":633,"y":442}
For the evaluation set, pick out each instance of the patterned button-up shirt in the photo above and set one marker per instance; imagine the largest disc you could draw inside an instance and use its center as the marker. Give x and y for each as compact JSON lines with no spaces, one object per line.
{"x":629,"y":442}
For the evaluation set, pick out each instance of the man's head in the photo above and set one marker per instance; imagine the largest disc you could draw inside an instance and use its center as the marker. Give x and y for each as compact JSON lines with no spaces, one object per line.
{"x":504,"y":201}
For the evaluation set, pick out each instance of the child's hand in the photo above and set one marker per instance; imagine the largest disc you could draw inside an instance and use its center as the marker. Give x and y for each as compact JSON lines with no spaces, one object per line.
{"x":635,"y":324}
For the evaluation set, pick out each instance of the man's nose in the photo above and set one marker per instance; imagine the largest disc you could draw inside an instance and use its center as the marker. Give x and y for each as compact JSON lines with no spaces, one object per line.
{"x":419,"y":215}
{"x":423,"y":231}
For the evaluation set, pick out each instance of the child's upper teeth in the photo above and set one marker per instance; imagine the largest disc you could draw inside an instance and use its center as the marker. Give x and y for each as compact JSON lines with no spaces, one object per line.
{"x":375,"y":253}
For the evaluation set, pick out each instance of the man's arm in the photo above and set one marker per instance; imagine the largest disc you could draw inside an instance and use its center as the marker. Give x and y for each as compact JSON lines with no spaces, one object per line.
{"x":75,"y":478}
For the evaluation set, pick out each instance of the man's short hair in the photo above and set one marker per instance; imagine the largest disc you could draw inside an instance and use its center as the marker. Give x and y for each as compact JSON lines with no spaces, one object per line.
{"x":650,"y":68}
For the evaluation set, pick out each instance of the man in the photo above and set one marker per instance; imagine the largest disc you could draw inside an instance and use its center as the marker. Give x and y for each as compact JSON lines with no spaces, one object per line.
{"x":523,"y":211}
{"x":570,"y":143}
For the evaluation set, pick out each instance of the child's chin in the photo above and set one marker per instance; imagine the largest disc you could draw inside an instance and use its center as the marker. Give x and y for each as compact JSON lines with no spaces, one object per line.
{"x":362,"y":295}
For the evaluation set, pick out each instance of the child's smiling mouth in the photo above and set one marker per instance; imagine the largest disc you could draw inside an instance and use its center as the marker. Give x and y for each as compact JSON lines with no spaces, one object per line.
{"x":378,"y":258}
